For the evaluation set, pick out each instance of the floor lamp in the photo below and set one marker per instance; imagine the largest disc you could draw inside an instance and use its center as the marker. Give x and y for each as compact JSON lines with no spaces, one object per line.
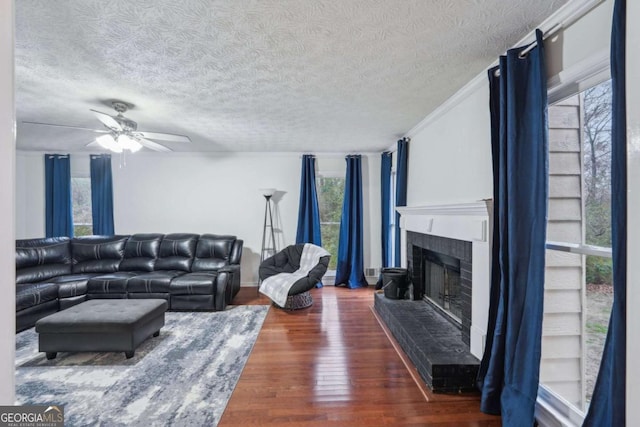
{"x":268,"y":236}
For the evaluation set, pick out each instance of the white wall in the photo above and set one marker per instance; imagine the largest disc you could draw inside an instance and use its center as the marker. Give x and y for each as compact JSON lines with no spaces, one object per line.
{"x":7,"y":227}
{"x":213,"y":193}
{"x":30,"y":195}
{"x":201,"y":193}
{"x":450,"y":157}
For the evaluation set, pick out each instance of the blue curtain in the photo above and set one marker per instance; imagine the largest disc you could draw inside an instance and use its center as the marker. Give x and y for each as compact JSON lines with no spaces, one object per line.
{"x":385,"y":198}
{"x":401,"y":191}
{"x":308,"y":213}
{"x":510,"y":382}
{"x":102,"y":195}
{"x":59,"y":216}
{"x":494,"y":292}
{"x":607,"y":406}
{"x":350,"y":269}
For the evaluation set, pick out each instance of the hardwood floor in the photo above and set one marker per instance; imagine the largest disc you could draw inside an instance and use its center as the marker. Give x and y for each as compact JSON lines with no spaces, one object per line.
{"x":332,"y":364}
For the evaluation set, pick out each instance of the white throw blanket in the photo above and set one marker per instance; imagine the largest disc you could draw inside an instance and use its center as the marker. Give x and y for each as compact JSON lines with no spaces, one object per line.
{"x":277,"y":286}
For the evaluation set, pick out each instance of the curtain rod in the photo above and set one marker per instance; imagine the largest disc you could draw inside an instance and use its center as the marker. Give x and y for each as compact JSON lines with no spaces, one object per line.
{"x":559,"y":26}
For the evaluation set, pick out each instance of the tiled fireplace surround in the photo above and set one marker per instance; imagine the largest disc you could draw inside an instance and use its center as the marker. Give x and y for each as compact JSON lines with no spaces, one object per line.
{"x":467,"y":222}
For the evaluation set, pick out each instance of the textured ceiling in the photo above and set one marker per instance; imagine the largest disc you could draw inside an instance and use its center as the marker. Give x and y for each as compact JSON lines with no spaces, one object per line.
{"x":255,"y":75}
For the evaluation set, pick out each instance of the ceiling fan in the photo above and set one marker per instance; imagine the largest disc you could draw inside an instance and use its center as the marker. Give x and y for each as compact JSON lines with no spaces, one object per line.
{"x":122,"y":133}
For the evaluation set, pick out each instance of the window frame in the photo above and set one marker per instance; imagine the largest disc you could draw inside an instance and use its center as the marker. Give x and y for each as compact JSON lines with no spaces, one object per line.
{"x":73,"y":219}
{"x":552,"y":408}
{"x":319,"y":176}
{"x":392,"y":215}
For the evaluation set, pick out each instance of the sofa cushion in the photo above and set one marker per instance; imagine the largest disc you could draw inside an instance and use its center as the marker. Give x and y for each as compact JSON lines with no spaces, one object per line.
{"x":41,"y":259}
{"x":97,"y":254}
{"x":32,"y":294}
{"x":199,"y":283}
{"x":153,"y":282}
{"x":112,"y":283}
{"x":72,"y":285}
{"x":141,"y":252}
{"x":212,"y":252}
{"x":177,"y":252}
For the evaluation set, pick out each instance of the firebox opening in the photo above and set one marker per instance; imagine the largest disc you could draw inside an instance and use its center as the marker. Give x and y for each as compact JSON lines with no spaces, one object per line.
{"x":442,"y":283}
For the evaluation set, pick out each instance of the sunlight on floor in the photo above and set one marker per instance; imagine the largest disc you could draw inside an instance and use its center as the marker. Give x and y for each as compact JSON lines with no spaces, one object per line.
{"x":332,"y":382}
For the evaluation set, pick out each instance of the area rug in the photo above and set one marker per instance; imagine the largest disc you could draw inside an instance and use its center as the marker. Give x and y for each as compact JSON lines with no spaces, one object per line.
{"x":183,"y":377}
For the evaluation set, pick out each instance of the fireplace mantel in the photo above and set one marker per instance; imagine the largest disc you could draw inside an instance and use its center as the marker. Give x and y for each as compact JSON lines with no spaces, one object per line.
{"x":472,"y":208}
{"x":462,"y":221}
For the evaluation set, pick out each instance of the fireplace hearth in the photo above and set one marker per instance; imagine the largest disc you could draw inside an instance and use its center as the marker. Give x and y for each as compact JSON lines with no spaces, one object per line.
{"x":432,"y":342}
{"x":433,"y":330}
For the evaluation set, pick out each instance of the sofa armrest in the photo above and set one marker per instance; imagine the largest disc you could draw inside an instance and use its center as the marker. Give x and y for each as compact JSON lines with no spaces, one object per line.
{"x":222,"y":290}
{"x":233,"y":271}
{"x":236,"y":252}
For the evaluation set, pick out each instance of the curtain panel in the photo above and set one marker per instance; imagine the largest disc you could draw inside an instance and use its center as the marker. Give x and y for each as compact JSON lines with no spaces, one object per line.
{"x":494,"y":292}
{"x":350,"y":269}
{"x":511,"y":363}
{"x":401,"y":191}
{"x":607,"y":408}
{"x":58,"y":204}
{"x":101,"y":195}
{"x":385,"y":206}
{"x":308,"y":213}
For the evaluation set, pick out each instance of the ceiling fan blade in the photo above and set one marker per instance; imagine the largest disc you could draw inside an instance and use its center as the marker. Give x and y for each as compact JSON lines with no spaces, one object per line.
{"x":66,"y":126}
{"x":152,"y":145}
{"x":107,"y":120}
{"x":164,"y":136}
{"x":93,"y":144}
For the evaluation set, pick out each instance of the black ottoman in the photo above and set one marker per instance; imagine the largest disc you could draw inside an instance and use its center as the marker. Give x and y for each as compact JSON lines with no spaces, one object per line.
{"x":101,"y":325}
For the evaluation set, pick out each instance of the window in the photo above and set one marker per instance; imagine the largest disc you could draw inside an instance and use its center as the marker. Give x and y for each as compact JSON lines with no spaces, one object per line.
{"x":81,"y":200}
{"x":330,"y":197}
{"x":578,"y":279}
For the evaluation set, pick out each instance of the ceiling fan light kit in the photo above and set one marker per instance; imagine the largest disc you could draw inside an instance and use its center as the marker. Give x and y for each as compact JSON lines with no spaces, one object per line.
{"x":118,"y":143}
{"x":108,"y":142}
{"x":128,"y":143}
{"x":122,"y":133}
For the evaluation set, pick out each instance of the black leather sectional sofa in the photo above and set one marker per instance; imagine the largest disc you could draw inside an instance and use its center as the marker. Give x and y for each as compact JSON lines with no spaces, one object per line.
{"x":190,"y":271}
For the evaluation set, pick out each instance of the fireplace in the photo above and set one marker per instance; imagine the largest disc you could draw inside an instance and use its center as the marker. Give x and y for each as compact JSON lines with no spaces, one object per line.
{"x":441,"y":283}
{"x":460,"y":231}
{"x":443,"y":328}
{"x":441,"y":270}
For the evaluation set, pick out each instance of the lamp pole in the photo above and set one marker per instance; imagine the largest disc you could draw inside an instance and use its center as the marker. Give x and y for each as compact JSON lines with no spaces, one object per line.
{"x":268,"y":237}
